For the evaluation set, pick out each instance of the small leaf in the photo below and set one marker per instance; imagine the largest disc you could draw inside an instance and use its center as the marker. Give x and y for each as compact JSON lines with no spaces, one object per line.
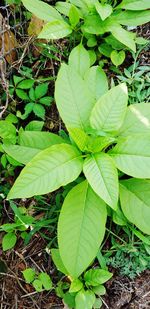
{"x":29,"y":275}
{"x":26,"y":84}
{"x":74,"y":16}
{"x":41,"y":90}
{"x":37,"y":284}
{"x":76,"y":285}
{"x":39,"y":111}
{"x":117,"y":58}
{"x":46,"y":101}
{"x":22,"y":94}
{"x":17,"y":79}
{"x":85,"y":299}
{"x":46,"y":281}
{"x":104,"y":10}
{"x":32,"y":94}
{"x":34,"y":125}
{"x":97,"y":276}
{"x":55,"y":30}
{"x":9,"y":241}
{"x":99,"y":290}
{"x":134,"y":5}
{"x":98,"y":303}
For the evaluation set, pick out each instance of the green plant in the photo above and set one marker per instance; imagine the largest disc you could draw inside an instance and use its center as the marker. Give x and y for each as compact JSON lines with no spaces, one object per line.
{"x":35,"y":98}
{"x":108,"y":143}
{"x":92,"y":20}
{"x":40,"y":282}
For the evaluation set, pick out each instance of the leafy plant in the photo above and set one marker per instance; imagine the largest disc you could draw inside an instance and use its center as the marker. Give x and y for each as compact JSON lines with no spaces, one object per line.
{"x":40,"y":282}
{"x":35,"y":99}
{"x":93,"y":20}
{"x":108,"y":143}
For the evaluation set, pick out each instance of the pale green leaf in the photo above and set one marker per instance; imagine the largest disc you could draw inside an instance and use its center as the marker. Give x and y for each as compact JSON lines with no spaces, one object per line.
{"x":58,"y":261}
{"x":109,"y":112}
{"x":79,"y":137}
{"x":104,"y":10}
{"x":46,"y":281}
{"x":131,"y":18}
{"x":135,"y":202}
{"x":29,"y":275}
{"x":135,"y":5}
{"x":37,"y":284}
{"x":137,"y":120}
{"x":132,"y":156}
{"x":7,"y":131}
{"x":42,"y":10}
{"x":73,"y":99}
{"x":81,"y":228}
{"x":125,"y":37}
{"x":34,"y":125}
{"x":117,"y":57}
{"x":76,"y":285}
{"x":96,"y":81}
{"x":74,"y":16}
{"x":55,"y":30}
{"x":85,"y":300}
{"x":93,"y":24}
{"x":52,"y":168}
{"x":39,"y":140}
{"x":79,"y":59}
{"x":20,"y":153}
{"x":101,"y":173}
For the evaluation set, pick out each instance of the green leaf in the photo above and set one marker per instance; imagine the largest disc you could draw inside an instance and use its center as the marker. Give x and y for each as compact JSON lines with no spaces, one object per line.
{"x":132,"y":156}
{"x":69,"y":300}
{"x":124,"y":36}
{"x":22,"y":94}
{"x":93,"y":24}
{"x":63,"y":7}
{"x":99,"y":290}
{"x":85,"y":299}
{"x":41,"y":90}
{"x":34,"y":125}
{"x":93,"y":56}
{"x":92,"y":42}
{"x":76,"y":285}
{"x":42,"y":10}
{"x":32,"y":94}
{"x":100,"y":171}
{"x":109,"y":112}
{"x":7,"y":131}
{"x":55,"y":30}
{"x":97,"y":276}
{"x":39,"y":140}
{"x":37,"y":284}
{"x":46,"y":281}
{"x":73,"y":99}
{"x":137,"y":120}
{"x":131,"y":18}
{"x":20,"y":153}
{"x":98,"y":303}
{"x":74,"y":16}
{"x":17,"y":79}
{"x":58,"y":261}
{"x":29,"y":275}
{"x":25,"y":84}
{"x":79,"y":59}
{"x":39,"y":111}
{"x":78,"y":244}
{"x":96,"y":81}
{"x":52,"y":168}
{"x":135,"y":202}
{"x":46,"y":101}
{"x":104,"y":10}
{"x":11,"y":118}
{"x":9,"y":241}
{"x":135,"y":5}
{"x":105,"y":49}
{"x":117,"y":58}
{"x":79,"y":137}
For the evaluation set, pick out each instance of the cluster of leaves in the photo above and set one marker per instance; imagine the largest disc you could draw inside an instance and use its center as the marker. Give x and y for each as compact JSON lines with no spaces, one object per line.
{"x":35,"y":99}
{"x":92,"y":20}
{"x":108,"y":141}
{"x":40,"y":282}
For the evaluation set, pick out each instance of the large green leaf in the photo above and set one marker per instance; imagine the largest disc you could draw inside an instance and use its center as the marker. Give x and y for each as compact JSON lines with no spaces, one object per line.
{"x":109,"y":112}
{"x":81,"y":228}
{"x":104,"y":10}
{"x":131,"y":18}
{"x":132,"y":156}
{"x":55,"y":30}
{"x":52,"y":168}
{"x":96,"y":81}
{"x":79,"y":59}
{"x":42,"y":10}
{"x":135,"y":202}
{"x":101,"y":173}
{"x":73,"y":98}
{"x":93,"y":24}
{"x":7,"y":131}
{"x":125,"y":37}
{"x":137,"y":120}
{"x":39,"y":140}
{"x":20,"y":153}
{"x":85,"y":299}
{"x":135,"y":5}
